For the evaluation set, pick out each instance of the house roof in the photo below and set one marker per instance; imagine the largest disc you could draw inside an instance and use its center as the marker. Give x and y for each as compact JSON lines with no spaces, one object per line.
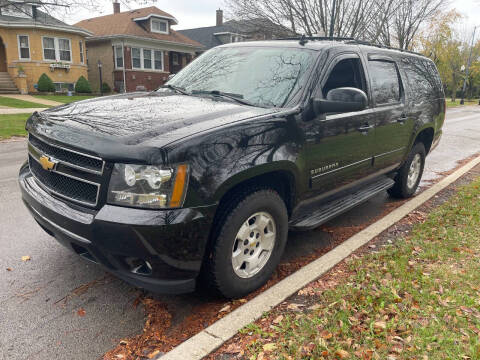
{"x":206,"y":35}
{"x":42,"y":20}
{"x":127,"y":24}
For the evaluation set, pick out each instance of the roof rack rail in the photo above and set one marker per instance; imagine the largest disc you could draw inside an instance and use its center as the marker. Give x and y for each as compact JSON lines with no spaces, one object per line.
{"x":348,"y":40}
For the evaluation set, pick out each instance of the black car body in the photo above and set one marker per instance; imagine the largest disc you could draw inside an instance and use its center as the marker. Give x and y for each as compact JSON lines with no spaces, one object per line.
{"x":306,"y":150}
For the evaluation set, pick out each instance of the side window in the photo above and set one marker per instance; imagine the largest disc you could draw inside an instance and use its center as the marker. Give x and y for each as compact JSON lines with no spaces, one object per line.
{"x":423,"y":78}
{"x":346,"y":73}
{"x":385,"y":82}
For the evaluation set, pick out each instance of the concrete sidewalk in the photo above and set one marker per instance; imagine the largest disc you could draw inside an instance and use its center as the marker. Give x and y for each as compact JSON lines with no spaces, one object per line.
{"x":32,"y":99}
{"x":8,"y":111}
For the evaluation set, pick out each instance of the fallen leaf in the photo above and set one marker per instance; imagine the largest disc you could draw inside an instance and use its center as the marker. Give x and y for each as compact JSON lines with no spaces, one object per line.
{"x":278,"y":319}
{"x":225,"y":309}
{"x":81,"y":312}
{"x":380,"y":325}
{"x":26,"y":258}
{"x":294,"y":306}
{"x":153,"y":354}
{"x":326,"y":334}
{"x":342,"y":354}
{"x":269,"y":347}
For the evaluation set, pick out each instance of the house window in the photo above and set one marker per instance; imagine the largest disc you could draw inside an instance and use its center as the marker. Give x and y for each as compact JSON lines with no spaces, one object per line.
{"x":64,"y":50}
{"x":136,"y":58}
{"x":119,"y":57}
{"x":147,"y":58}
{"x":159,"y":60}
{"x":24,"y":47}
{"x":159,"y":26}
{"x":49,"y":48}
{"x":56,"y":49}
{"x":80,"y":44}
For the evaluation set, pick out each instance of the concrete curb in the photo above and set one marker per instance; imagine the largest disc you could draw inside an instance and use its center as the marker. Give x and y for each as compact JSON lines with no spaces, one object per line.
{"x":215,"y":335}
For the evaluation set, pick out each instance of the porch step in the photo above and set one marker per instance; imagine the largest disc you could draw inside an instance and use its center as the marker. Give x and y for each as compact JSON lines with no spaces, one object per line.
{"x":7,"y":86}
{"x":311,"y":216}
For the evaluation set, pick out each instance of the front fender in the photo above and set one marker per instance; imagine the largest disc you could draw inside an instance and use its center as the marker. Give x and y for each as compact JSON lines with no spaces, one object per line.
{"x":286,"y":167}
{"x":221,"y":159}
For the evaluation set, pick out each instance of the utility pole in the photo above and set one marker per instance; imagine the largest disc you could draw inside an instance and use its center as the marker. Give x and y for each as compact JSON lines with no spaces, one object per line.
{"x":332,"y":20}
{"x":462,"y":101}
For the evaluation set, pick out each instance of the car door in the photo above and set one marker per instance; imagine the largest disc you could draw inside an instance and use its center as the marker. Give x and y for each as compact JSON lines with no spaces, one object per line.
{"x":393,"y":126}
{"x":339,"y":147}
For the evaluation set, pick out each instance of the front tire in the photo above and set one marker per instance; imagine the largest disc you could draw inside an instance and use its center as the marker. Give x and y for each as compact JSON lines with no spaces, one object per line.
{"x":410,"y":174}
{"x":251,"y":237}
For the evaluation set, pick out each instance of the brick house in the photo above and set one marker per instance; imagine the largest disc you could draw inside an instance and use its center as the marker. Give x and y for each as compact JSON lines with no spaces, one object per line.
{"x":137,"y":49}
{"x":32,"y":43}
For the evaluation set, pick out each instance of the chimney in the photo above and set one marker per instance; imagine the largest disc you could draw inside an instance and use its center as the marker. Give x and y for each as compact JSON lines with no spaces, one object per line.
{"x":116,"y":7}
{"x":219,"y":17}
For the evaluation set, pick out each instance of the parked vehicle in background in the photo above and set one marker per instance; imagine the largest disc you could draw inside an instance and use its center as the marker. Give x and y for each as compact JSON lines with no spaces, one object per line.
{"x":199,"y":182}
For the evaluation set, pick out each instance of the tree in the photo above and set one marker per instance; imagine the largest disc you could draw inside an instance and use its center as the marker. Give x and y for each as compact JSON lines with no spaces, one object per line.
{"x":63,"y":7}
{"x":407,"y":18}
{"x":45,"y":84}
{"x":390,"y":22}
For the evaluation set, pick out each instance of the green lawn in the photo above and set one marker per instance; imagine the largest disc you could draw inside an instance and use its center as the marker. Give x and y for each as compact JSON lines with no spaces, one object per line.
{"x":418,"y":298}
{"x":13,"y":125}
{"x":20,"y":104}
{"x":64,"y":98}
{"x":450,"y":103}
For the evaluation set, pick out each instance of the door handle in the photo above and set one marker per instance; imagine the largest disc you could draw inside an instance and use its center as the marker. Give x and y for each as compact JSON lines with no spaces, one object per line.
{"x":365,"y":128}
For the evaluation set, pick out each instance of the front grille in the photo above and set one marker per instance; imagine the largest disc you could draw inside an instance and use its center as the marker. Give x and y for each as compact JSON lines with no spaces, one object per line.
{"x":66,"y":173}
{"x":75,"y":159}
{"x":65,"y":186}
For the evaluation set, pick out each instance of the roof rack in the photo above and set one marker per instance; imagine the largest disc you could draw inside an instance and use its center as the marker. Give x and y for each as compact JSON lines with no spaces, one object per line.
{"x":348,"y":40}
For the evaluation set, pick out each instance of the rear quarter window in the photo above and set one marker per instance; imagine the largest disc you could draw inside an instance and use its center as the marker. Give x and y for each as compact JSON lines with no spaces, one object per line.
{"x":423,"y":79}
{"x":385,"y":82}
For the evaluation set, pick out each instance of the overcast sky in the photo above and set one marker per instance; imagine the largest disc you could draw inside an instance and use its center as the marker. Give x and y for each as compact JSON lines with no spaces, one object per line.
{"x":199,"y":13}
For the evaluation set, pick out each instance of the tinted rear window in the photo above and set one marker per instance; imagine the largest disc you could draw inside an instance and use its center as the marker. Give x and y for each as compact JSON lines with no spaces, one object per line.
{"x":385,"y":82}
{"x":423,"y":78}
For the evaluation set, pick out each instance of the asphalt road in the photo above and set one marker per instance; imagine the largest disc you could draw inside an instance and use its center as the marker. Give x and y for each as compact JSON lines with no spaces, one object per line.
{"x":40,"y":299}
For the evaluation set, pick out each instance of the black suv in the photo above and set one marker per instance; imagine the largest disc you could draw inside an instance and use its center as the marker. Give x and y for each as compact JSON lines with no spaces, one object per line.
{"x":200,"y":181}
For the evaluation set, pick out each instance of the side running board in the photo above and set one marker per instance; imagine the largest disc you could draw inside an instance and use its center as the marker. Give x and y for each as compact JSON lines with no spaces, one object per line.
{"x":313,"y":217}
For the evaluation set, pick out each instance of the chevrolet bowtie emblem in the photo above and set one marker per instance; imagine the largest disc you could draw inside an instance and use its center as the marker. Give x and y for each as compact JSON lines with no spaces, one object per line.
{"x":47,"y":163}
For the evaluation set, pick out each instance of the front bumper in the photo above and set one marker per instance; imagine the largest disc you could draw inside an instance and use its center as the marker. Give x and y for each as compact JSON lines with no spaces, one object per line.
{"x":158,"y":250}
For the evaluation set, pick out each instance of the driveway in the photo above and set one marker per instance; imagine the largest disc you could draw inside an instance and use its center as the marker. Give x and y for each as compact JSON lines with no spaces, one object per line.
{"x":58,"y":306}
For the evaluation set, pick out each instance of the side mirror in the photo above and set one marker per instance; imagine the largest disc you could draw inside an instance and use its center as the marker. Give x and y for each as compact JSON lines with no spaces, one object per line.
{"x":341,"y":100}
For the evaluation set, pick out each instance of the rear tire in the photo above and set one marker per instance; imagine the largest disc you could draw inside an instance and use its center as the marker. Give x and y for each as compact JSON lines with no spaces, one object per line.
{"x":410,"y":174}
{"x":250,"y":239}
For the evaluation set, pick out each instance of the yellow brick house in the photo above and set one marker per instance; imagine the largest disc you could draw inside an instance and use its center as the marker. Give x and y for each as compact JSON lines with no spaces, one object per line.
{"x":32,"y":43}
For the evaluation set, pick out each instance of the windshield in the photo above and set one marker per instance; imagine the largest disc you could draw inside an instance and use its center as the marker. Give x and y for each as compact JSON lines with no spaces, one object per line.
{"x":262,"y":76}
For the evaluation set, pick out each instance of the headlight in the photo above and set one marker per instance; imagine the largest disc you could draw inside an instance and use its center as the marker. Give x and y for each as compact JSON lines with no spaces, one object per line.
{"x":148,"y":186}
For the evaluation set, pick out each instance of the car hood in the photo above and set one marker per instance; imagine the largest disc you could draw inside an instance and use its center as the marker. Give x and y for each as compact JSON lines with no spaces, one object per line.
{"x":153,"y":119}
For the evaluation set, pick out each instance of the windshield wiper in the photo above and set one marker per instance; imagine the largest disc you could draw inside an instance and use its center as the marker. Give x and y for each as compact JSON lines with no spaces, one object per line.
{"x":235,"y":97}
{"x":176,"y":88}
